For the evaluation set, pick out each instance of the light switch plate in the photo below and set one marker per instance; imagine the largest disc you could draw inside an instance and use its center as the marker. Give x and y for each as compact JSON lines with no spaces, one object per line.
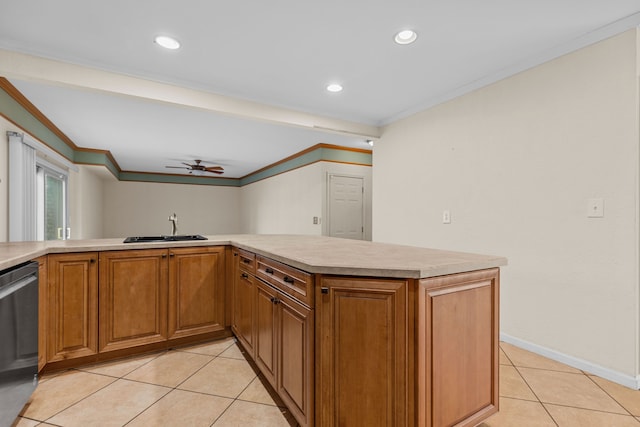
{"x":595,"y":208}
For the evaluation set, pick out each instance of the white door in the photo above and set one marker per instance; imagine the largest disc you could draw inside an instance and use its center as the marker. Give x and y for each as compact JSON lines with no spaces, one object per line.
{"x":346,"y":207}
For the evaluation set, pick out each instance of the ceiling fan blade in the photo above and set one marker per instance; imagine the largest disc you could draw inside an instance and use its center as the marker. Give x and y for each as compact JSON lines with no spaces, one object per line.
{"x":218,"y":172}
{"x":176,"y":167}
{"x":214,"y":168}
{"x":187,"y":164}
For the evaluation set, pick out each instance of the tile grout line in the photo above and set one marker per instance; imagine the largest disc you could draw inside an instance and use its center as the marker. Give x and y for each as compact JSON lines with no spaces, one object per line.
{"x":543,"y":403}
{"x":156,"y":357}
{"x":536,"y":395}
{"x":232,"y":402}
{"x":84,"y":398}
{"x":219,"y":355}
{"x":608,"y":394}
{"x":180,"y":383}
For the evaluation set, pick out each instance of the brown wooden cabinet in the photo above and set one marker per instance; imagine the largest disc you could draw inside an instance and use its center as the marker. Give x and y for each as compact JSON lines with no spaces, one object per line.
{"x":338,"y":350}
{"x":196,"y":291}
{"x":364,"y":352}
{"x":274,"y":323}
{"x":72,"y":303}
{"x":243,"y":298}
{"x":93,"y":304}
{"x":458,"y":333}
{"x":133,"y":298}
{"x":284,"y":349}
{"x":266,"y":330}
{"x":295,"y":355}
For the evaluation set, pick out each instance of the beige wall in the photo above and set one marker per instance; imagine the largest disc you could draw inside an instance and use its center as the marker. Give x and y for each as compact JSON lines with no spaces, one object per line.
{"x":287,"y":203}
{"x":140,"y":208}
{"x":515,"y":163}
{"x":86,"y":202}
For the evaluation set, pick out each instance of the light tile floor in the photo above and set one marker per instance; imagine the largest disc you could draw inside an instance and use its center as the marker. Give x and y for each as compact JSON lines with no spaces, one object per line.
{"x":539,"y":392}
{"x":204,"y":385}
{"x":213,"y":385}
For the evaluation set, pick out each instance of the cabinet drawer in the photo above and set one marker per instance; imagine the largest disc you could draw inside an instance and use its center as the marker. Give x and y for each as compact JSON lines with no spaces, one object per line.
{"x":246,"y":261}
{"x":295,"y":283}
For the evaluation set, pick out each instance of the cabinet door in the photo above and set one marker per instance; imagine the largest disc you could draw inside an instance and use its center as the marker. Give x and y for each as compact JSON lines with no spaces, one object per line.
{"x":265,"y":345}
{"x":295,"y":357}
{"x":73,"y":306}
{"x":243,"y":301}
{"x":133,"y":298}
{"x":362,"y":354}
{"x":196,"y":291}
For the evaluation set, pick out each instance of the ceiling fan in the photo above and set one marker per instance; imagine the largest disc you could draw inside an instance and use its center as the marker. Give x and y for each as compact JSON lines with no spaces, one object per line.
{"x":197,"y":168}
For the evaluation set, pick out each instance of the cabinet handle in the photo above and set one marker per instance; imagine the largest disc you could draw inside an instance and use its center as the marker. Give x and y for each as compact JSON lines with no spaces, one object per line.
{"x":268,"y":270}
{"x":164,"y":255}
{"x":235,"y":254}
{"x":288,"y":279}
{"x":246,"y":261}
{"x":324,"y":290}
{"x":275,"y":300}
{"x":172,"y":254}
{"x":245,"y":276}
{"x":92,"y":260}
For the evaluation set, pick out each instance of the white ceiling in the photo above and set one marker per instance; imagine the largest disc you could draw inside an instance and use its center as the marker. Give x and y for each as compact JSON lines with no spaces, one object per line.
{"x":261,"y":68}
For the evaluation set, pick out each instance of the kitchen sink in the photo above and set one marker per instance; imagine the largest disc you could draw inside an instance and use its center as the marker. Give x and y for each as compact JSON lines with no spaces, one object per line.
{"x":178,"y":238}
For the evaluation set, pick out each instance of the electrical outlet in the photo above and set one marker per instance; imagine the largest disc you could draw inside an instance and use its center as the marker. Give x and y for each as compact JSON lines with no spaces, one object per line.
{"x":446,"y":217}
{"x":315,"y":220}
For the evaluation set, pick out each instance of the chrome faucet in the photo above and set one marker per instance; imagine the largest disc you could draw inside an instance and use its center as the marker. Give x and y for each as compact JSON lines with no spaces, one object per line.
{"x":174,"y":224}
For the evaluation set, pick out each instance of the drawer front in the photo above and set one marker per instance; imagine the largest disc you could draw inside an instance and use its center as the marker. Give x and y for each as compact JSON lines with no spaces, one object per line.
{"x":293,"y":282}
{"x":246,"y":261}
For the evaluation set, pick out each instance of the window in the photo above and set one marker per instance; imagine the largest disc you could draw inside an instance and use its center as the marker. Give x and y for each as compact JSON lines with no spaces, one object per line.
{"x":51,"y":202}
{"x":38,"y":177}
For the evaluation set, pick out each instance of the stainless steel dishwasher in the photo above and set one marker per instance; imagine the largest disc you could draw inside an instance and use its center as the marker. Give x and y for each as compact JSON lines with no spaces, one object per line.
{"x":18,"y":338}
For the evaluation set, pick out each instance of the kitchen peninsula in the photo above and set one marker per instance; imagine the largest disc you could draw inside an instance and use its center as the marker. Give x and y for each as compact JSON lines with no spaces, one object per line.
{"x":347,"y":332}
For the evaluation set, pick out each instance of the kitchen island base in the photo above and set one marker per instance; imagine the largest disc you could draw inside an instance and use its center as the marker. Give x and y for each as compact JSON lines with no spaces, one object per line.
{"x":347,"y":332}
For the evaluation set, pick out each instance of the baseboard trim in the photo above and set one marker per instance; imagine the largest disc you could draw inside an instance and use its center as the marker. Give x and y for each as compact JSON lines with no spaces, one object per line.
{"x":583,"y":365}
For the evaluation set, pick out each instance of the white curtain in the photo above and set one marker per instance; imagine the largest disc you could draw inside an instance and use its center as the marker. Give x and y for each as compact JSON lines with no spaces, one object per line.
{"x":22,"y":189}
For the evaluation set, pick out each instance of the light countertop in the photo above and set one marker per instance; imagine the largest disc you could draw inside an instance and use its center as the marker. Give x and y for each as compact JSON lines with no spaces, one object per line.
{"x":314,"y":254}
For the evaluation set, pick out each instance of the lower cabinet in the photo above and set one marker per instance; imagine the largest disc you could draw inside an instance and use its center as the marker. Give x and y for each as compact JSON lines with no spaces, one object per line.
{"x":363,"y":353}
{"x":266,"y":330}
{"x":93,"y":303}
{"x":242,"y":305}
{"x":72,"y":305}
{"x":133,"y":298}
{"x":284,"y":349}
{"x":295,"y":352}
{"x":196,"y":291}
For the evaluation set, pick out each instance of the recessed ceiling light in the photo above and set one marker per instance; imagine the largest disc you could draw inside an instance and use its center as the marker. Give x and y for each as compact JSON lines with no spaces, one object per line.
{"x":167,"y":42}
{"x":406,"y":37}
{"x":334,"y":87}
